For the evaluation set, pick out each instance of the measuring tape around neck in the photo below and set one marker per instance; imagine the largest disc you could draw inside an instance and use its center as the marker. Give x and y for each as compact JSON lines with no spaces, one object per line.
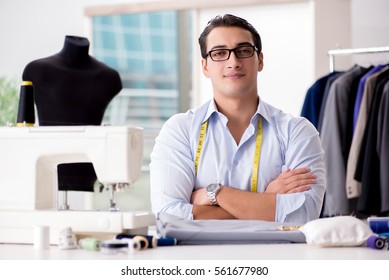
{"x":203,"y":131}
{"x":257,"y":154}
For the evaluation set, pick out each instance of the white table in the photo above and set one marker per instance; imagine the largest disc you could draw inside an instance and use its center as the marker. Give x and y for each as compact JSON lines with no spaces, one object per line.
{"x":201,"y":252}
{"x":280,"y":261}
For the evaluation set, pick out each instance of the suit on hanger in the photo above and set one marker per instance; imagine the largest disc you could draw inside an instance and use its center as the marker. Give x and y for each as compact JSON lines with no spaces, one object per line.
{"x":368,"y":166}
{"x":360,"y":92}
{"x":383,"y":148}
{"x":313,"y":99}
{"x":334,"y":124}
{"x":330,"y":80}
{"x":353,"y":187}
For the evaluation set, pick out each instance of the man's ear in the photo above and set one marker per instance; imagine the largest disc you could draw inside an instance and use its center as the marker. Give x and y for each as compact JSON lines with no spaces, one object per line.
{"x":260,"y":62}
{"x":204,"y":67}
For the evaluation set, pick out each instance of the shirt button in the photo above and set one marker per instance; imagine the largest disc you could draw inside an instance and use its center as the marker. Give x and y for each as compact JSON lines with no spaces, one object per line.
{"x":236,"y":162}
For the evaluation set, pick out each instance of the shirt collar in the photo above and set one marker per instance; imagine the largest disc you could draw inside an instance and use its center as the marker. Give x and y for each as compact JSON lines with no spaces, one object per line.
{"x":211,"y":110}
{"x":261,"y":110}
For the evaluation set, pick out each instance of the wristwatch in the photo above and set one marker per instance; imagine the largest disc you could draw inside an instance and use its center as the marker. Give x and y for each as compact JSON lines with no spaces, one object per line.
{"x":212,"y":190}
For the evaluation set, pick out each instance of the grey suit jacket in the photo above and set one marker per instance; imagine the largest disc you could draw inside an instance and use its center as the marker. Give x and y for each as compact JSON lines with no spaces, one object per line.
{"x":334,"y":124}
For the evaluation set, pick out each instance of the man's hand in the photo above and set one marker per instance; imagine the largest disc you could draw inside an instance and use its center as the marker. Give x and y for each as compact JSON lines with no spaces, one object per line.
{"x":199,"y":197}
{"x":202,"y":208}
{"x":292,"y":181}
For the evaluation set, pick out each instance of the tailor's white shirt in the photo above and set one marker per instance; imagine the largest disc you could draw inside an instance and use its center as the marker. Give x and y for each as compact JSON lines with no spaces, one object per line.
{"x":287,"y":141}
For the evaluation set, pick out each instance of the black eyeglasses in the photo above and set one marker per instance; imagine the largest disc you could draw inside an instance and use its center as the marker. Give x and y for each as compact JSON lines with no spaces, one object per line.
{"x":224,"y":54}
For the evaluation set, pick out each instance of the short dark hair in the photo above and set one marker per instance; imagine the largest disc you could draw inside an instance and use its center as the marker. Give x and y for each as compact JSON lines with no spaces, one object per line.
{"x":228,"y":21}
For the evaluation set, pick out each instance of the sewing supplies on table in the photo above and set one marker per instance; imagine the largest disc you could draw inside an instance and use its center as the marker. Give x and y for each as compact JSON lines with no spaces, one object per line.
{"x":41,"y":237}
{"x":380,"y":226}
{"x":151,"y":240}
{"x":67,"y":239}
{"x":90,"y":244}
{"x":376,"y":242}
{"x":114,"y":247}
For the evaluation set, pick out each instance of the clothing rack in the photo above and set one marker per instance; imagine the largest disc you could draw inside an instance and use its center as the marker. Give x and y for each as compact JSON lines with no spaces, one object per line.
{"x":339,"y":52}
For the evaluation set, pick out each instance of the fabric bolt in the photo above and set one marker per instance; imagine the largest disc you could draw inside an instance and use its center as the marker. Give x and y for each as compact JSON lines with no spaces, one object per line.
{"x":208,"y":232}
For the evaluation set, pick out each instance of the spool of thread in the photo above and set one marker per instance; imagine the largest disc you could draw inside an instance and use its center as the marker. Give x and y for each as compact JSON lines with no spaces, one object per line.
{"x":114,"y":247}
{"x":41,"y":237}
{"x":376,"y":242}
{"x":133,"y":244}
{"x":379,"y":224}
{"x":26,"y":111}
{"x":166,"y":241}
{"x":90,"y":244}
{"x":152,"y":241}
{"x":143,"y":241}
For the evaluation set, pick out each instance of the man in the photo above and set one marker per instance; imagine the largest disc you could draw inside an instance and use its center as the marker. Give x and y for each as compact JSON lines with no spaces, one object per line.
{"x":237,"y":157}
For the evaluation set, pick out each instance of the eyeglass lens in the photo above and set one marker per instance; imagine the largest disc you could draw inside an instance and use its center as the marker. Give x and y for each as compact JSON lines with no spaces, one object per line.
{"x":224,"y":54}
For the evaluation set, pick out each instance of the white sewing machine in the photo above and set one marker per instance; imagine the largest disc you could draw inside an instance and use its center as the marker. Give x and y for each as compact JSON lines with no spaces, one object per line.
{"x":29,"y":186}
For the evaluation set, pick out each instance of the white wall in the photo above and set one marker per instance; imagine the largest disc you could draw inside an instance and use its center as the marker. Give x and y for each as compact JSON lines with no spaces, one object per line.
{"x":370,"y":22}
{"x":288,"y":47}
{"x":35,"y":29}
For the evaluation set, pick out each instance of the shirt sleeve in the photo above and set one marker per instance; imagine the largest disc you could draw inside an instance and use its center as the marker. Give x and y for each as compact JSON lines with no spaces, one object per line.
{"x":302,"y":149}
{"x":172,"y":169}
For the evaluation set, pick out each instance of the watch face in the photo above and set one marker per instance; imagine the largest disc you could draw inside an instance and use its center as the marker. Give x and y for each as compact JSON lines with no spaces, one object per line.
{"x":212,"y":187}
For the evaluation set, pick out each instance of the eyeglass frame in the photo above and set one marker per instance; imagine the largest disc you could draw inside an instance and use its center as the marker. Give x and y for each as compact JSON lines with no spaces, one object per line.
{"x":230,"y":51}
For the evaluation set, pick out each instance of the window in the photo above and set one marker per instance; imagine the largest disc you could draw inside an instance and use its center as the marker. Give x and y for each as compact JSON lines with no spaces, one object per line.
{"x":144,"y":48}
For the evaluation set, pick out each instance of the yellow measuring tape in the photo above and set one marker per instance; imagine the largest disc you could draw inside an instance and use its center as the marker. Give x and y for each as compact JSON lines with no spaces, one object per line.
{"x":257,"y":155}
{"x":203,"y":130}
{"x":258,"y":141}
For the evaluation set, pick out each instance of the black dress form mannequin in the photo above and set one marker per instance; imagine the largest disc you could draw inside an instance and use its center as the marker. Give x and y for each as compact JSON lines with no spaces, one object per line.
{"x":72,"y":88}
